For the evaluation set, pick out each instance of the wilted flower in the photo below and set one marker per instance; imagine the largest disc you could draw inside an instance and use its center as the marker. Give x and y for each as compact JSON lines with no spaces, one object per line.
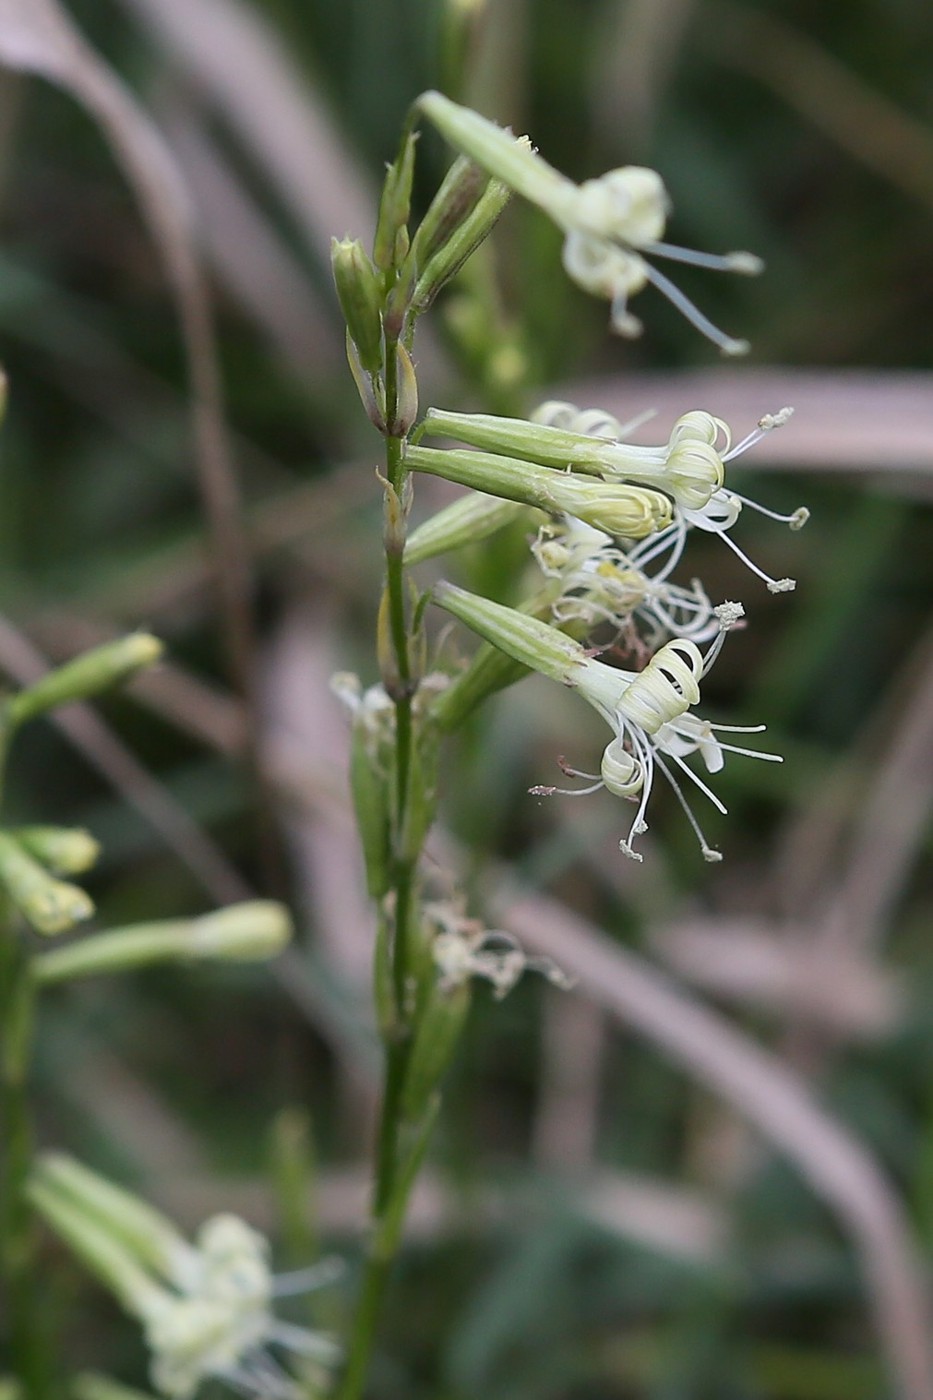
{"x":463,"y":948}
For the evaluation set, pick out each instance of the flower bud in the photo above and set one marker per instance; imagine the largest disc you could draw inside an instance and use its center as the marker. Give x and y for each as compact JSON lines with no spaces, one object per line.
{"x":618,"y":509}
{"x":439,"y":1029}
{"x":51,"y":906}
{"x":461,"y":243}
{"x":524,"y":638}
{"x":62,"y":850}
{"x":455,"y":199}
{"x":87,"y":675}
{"x":248,"y":932}
{"x":360,"y":293}
{"x":394,"y":205}
{"x":465,"y":521}
{"x":406,"y":404}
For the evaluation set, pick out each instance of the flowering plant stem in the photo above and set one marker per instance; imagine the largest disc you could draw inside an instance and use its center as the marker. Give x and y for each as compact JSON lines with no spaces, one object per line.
{"x":394,"y":1175}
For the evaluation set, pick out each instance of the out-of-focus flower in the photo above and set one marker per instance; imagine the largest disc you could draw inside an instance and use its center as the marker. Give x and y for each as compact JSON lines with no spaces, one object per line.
{"x":613,"y":225}
{"x":206,"y":1308}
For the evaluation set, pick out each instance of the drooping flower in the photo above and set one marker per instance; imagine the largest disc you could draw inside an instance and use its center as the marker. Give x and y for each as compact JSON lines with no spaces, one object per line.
{"x":613,"y":225}
{"x":649,"y":711}
{"x":653,"y":728}
{"x":688,"y":470}
{"x":698,"y":450}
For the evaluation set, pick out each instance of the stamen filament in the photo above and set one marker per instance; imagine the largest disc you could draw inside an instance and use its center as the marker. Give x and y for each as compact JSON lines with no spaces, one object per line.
{"x":694,"y":777}
{"x":775,"y":585}
{"x":795,"y":520}
{"x":746,"y":263}
{"x":305,"y":1280}
{"x":727,"y":344}
{"x":706,"y":849}
{"x":752,"y":753}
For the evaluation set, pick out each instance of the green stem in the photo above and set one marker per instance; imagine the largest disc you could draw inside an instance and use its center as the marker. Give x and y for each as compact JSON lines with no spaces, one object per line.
{"x":387,"y":1229}
{"x":390,"y":1192}
{"x":28,"y":1343}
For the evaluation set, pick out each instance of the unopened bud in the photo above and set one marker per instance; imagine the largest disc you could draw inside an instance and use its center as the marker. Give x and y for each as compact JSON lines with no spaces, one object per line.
{"x":62,"y":850}
{"x":406,"y":405}
{"x":525,"y":638}
{"x":465,"y":521}
{"x":457,"y":196}
{"x":360,"y":293}
{"x":87,"y":675}
{"x":461,"y":243}
{"x":394,"y":205}
{"x":51,"y":906}
{"x":248,"y":932}
{"x":439,"y":1030}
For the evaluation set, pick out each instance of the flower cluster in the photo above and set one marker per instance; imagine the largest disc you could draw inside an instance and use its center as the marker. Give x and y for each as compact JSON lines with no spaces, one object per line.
{"x":612,"y":518}
{"x":608,"y":559}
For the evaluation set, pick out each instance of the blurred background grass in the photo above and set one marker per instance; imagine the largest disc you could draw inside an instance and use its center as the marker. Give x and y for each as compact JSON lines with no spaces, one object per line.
{"x":598,"y":1223}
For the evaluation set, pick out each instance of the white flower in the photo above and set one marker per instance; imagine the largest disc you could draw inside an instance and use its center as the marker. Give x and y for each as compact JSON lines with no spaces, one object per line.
{"x":220,"y":1323}
{"x":206,"y":1308}
{"x":690,"y":468}
{"x":612,"y":224}
{"x":648,"y":710}
{"x":600,"y":582}
{"x":649,"y":714}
